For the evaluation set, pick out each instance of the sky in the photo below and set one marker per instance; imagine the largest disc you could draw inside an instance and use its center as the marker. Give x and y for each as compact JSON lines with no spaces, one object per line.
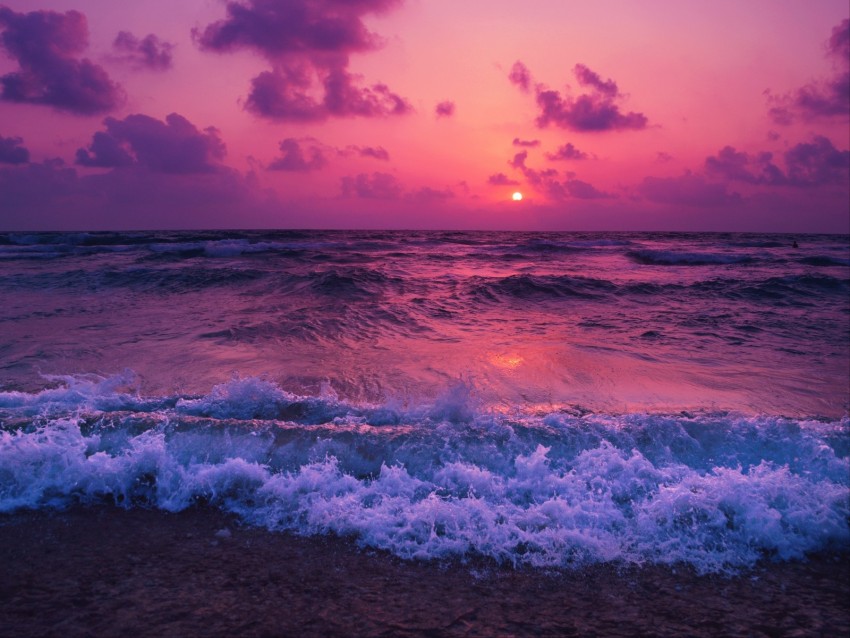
{"x":714,"y":115}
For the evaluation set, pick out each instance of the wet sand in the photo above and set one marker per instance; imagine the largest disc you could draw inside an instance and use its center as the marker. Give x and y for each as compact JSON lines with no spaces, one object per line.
{"x":109,"y":572}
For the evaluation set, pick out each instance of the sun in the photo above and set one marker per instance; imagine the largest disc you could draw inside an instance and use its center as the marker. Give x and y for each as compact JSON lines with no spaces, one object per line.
{"x":517,"y":196}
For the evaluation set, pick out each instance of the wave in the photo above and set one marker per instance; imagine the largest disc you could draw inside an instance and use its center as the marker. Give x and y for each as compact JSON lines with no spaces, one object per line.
{"x":676,"y":258}
{"x":539,"y":286}
{"x":447,"y":478}
{"x":825,"y":260}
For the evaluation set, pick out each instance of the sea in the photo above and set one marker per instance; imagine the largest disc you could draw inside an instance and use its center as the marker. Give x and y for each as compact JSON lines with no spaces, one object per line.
{"x":538,"y":400}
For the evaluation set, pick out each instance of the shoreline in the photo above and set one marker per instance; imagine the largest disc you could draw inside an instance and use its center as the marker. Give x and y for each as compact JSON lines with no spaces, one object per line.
{"x":106,"y":571}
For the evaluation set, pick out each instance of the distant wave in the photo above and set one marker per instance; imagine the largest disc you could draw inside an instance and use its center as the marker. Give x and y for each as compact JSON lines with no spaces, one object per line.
{"x":675,"y":258}
{"x":443,"y":479}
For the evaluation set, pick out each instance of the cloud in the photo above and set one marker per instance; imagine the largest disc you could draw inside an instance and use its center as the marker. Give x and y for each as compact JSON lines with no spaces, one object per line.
{"x":662,"y":157}
{"x":518,"y":160}
{"x":500,"y":179}
{"x":294,"y":159}
{"x":815,"y":163}
{"x":591,"y":112}
{"x":586,"y":77}
{"x":445,"y":109}
{"x":309,"y":43}
{"x":46,"y":46}
{"x":150,"y":52}
{"x":821,"y":98}
{"x":52,"y":196}
{"x":520,"y":76}
{"x":687,"y":190}
{"x":374,"y":186}
{"x":375,"y":152}
{"x":428,"y":195}
{"x":526,"y":143}
{"x":583,"y":190}
{"x":173,"y":146}
{"x":372,"y":152}
{"x":567,"y":152}
{"x":733,"y":165}
{"x":12,"y":151}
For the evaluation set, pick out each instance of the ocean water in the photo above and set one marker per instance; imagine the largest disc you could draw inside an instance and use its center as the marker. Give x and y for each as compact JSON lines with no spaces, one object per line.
{"x":544,"y":400}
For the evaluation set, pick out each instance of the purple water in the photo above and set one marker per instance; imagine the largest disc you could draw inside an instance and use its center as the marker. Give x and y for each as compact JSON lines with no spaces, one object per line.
{"x":544,"y":399}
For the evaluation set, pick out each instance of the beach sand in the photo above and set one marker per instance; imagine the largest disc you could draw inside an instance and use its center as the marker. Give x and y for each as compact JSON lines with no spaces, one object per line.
{"x":111,"y":572}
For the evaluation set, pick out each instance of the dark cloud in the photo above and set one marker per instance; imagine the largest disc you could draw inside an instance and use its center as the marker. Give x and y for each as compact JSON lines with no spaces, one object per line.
{"x":12,"y":151}
{"x":308,"y":43}
{"x":173,"y":146}
{"x":375,"y":152}
{"x":663,"y":157}
{"x":733,"y":165}
{"x":823,"y":98}
{"x":283,"y":94}
{"x":594,"y":111}
{"x":294,"y":159}
{"x":543,"y":177}
{"x":51,"y":196}
{"x":46,"y":46}
{"x":374,"y":186}
{"x":500,"y":179}
{"x":428,"y":195}
{"x":520,"y":76}
{"x":687,"y":190}
{"x":445,"y":109}
{"x":526,"y":143}
{"x":150,"y":52}
{"x":567,"y":152}
{"x":815,"y":163}
{"x":518,"y":160}
{"x":586,"y":77}
{"x":583,"y":190}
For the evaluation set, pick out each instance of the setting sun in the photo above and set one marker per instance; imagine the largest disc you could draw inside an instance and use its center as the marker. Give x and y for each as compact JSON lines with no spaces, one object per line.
{"x":517,"y":196}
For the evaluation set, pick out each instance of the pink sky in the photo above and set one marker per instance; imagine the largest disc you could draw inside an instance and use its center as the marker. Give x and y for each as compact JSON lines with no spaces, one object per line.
{"x":612,"y":115}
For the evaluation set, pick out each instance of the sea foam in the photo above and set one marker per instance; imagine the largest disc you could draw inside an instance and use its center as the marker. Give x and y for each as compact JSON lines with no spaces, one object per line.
{"x":442,"y":479}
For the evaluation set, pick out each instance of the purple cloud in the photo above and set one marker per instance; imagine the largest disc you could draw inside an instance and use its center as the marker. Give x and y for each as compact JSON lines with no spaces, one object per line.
{"x":526,"y":143}
{"x":520,"y":76}
{"x":445,"y":109}
{"x":174,"y":146}
{"x":308,"y":43}
{"x":500,"y":179}
{"x":374,"y":186}
{"x":824,"y":98}
{"x":594,"y":111}
{"x":428,"y":195}
{"x":150,"y":52}
{"x":567,"y":152}
{"x":586,"y":77}
{"x":817,"y":163}
{"x":294,"y":158}
{"x":45,"y":45}
{"x":51,"y":196}
{"x":518,"y":160}
{"x":583,"y":190}
{"x":375,"y":152}
{"x":12,"y":151}
{"x":687,"y":190}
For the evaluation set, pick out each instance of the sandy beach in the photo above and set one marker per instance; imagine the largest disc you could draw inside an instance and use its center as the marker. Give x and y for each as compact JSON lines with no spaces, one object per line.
{"x":111,"y":572}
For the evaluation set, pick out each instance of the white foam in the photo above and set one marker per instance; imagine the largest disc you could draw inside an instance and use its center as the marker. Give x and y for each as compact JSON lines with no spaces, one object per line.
{"x":445,"y":480}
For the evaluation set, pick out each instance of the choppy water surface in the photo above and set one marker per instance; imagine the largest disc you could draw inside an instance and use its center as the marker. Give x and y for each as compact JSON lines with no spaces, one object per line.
{"x":544,"y":399}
